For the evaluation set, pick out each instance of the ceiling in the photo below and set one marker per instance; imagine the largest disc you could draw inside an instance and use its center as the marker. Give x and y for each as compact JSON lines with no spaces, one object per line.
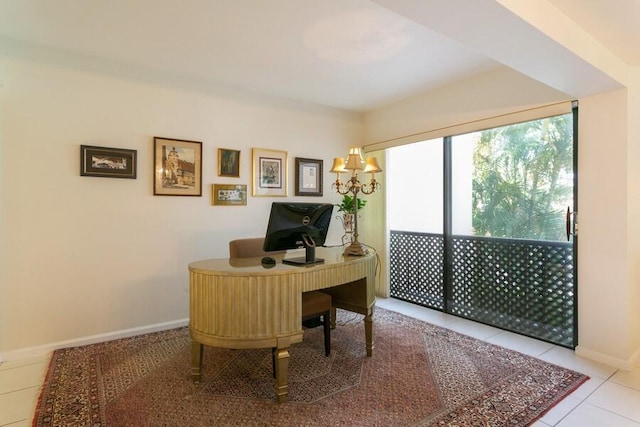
{"x":350,"y":54}
{"x":614,"y":23}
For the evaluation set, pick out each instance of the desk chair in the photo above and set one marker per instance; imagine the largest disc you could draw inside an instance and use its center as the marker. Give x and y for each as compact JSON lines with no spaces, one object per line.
{"x":315,"y":304}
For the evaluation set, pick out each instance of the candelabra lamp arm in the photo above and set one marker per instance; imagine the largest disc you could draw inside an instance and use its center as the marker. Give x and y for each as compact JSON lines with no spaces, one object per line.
{"x":341,"y":187}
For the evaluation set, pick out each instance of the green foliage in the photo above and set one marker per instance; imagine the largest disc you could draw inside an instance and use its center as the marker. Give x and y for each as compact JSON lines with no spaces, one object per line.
{"x":346,"y":205}
{"x":523,"y":179}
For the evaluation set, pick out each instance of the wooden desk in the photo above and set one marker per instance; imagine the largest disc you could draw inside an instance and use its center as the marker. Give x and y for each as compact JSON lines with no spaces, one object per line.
{"x":238,"y":304}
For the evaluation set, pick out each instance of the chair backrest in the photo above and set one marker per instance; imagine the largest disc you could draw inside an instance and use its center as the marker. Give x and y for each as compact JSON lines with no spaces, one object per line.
{"x":248,"y":248}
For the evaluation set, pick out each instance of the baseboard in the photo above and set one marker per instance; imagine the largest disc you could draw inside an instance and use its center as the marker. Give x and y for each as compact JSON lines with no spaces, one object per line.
{"x":626,"y":365}
{"x":41,"y":350}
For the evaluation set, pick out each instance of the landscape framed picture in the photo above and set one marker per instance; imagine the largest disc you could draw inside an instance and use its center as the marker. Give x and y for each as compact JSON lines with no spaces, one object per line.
{"x":269,"y":170}
{"x":308,"y":177}
{"x":228,"y":162}
{"x":108,"y":162}
{"x":229,"y":194}
{"x":177,"y":167}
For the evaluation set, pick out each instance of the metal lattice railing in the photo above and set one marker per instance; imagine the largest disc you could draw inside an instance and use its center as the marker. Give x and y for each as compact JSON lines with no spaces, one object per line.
{"x":524,"y":286}
{"x":416,"y":273}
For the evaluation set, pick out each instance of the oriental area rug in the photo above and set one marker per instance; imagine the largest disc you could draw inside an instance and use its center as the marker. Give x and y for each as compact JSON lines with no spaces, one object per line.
{"x":419,"y":375}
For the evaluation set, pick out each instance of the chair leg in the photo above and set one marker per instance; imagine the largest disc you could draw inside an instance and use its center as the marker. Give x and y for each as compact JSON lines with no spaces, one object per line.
{"x":326,"y":325}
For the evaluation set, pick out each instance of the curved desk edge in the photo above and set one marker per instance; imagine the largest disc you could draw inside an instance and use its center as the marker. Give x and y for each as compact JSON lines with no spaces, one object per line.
{"x":247,"y":306}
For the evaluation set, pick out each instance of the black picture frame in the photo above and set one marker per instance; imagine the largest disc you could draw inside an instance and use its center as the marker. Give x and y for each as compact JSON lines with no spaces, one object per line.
{"x":106,"y":162}
{"x":308,"y":177}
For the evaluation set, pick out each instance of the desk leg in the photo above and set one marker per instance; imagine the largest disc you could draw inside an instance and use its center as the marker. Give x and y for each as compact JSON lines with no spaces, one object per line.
{"x":282,"y":372}
{"x":368,"y":332}
{"x":196,"y":361}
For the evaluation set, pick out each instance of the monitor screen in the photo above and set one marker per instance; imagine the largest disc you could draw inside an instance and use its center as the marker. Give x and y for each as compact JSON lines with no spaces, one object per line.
{"x":296,"y":225}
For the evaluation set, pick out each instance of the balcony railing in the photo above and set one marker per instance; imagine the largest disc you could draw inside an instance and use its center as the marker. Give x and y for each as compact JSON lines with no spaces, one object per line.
{"x":524,"y":286}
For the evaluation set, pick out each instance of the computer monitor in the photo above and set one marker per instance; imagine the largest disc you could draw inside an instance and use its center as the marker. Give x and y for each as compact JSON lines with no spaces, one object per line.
{"x":295,"y":225}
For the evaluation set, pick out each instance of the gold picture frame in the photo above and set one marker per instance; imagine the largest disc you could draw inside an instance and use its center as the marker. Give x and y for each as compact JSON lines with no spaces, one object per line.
{"x":228,"y":162}
{"x":177,"y":165}
{"x":229,"y":194}
{"x":269,"y":173}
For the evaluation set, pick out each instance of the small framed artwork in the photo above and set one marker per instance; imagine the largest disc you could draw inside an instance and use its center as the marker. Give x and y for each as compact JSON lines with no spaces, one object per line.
{"x":229,"y":194}
{"x":228,"y":162}
{"x":108,"y":162}
{"x":177,"y":167}
{"x":269,"y":168}
{"x":308,"y":177}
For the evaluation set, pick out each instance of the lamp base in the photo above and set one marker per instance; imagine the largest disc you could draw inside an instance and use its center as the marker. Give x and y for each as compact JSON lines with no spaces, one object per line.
{"x":355,"y":249}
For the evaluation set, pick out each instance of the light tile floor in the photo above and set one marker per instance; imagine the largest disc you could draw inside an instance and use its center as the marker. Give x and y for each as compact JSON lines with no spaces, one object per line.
{"x":610,"y":398}
{"x":20,"y":383}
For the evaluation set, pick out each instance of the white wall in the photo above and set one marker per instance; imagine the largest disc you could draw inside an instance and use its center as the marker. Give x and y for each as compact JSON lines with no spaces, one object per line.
{"x":83,"y":256}
{"x":414,"y":187}
{"x":633,"y":201}
{"x":608,"y":229}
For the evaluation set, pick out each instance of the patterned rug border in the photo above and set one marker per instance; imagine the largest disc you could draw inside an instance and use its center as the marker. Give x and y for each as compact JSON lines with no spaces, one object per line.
{"x":499,"y":404}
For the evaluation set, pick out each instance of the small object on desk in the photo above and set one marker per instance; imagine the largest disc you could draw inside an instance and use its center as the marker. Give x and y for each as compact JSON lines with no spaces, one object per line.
{"x":268,"y":262}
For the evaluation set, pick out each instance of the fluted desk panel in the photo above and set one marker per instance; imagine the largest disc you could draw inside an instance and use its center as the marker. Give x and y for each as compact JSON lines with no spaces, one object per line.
{"x":238,"y":304}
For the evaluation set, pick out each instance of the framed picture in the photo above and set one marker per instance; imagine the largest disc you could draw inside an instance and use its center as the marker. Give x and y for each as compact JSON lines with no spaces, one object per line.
{"x":228,"y":162}
{"x":308,"y":177}
{"x":269,"y":169}
{"x":229,"y":194}
{"x":177,"y":167}
{"x":108,"y":162}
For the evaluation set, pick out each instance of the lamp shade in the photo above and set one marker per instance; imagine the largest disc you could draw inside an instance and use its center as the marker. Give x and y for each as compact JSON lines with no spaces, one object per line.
{"x":338,"y":165}
{"x":354,"y":162}
{"x":372,"y":166}
{"x":356,"y":151}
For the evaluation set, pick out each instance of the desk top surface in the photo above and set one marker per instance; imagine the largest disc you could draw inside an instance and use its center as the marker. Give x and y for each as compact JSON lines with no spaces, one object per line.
{"x":253,"y":266}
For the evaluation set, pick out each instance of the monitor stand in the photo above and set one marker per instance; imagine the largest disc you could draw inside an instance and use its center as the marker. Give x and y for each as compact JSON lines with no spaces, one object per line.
{"x":309,"y":257}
